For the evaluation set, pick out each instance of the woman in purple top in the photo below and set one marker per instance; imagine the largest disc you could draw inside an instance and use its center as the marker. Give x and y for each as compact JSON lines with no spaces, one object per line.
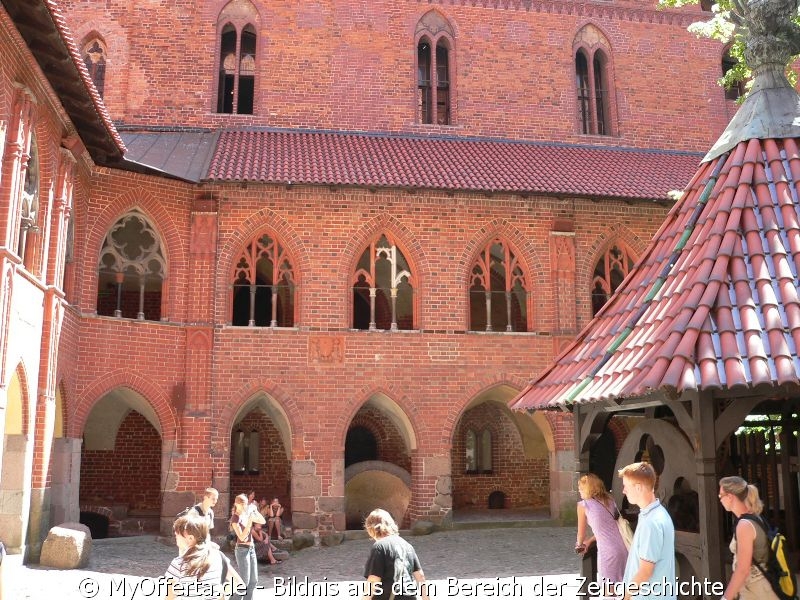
{"x":598,"y":509}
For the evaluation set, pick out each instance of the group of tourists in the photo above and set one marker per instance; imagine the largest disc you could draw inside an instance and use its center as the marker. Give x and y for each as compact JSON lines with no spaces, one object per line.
{"x":651,"y":556}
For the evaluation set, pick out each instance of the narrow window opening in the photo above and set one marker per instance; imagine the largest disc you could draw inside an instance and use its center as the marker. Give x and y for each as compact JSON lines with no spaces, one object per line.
{"x":737,"y":89}
{"x":94,"y":57}
{"x":227,"y":70}
{"x":29,"y":206}
{"x":247,"y":72}
{"x":442,"y":86}
{"x":582,"y":82}
{"x":424,"y":97}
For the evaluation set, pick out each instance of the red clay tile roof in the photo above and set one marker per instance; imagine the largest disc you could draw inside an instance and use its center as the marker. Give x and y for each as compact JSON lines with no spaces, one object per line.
{"x":373,"y":160}
{"x":722,"y":312}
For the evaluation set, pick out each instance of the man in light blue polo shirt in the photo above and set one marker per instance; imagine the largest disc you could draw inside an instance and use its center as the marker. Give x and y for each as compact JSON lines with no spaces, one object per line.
{"x":651,"y":558}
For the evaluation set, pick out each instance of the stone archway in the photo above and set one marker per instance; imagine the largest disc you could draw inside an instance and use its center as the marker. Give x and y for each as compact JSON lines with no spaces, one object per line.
{"x":378,"y":464}
{"x":17,"y":461}
{"x":121,"y":465}
{"x":496,"y":451}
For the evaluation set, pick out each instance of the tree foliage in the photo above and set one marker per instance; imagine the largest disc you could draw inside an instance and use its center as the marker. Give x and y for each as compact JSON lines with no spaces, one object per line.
{"x":720,"y":27}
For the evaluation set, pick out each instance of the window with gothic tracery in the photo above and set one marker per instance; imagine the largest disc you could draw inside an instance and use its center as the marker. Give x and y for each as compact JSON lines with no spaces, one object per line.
{"x":498,"y":293}
{"x":383,"y":288}
{"x":434,"y":51}
{"x":609,"y":272}
{"x":29,"y":205}
{"x":131,"y":270}
{"x":263,"y":285}
{"x":237,"y":70}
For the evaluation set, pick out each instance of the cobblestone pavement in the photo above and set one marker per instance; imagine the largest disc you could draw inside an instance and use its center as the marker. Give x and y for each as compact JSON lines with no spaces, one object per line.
{"x":524,"y":559}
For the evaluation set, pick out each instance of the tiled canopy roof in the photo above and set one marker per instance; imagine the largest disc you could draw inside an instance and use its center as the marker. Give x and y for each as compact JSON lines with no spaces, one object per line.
{"x":373,"y":160}
{"x":714,"y":302}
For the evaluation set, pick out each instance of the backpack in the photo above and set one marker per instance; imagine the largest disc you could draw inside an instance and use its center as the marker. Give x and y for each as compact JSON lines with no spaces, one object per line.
{"x":777,"y":570}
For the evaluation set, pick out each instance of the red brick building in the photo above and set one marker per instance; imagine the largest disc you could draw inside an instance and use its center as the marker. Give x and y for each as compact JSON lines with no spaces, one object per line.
{"x":340,"y":240}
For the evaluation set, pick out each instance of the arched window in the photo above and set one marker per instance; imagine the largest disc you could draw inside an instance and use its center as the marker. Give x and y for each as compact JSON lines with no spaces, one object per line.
{"x":263,"y":285}
{"x":94,"y":57}
{"x":593,"y":93}
{"x":609,"y":272}
{"x":498,"y":294}
{"x":383,"y":288}
{"x":29,"y":206}
{"x":594,"y":83}
{"x":434,"y":45}
{"x":237,"y":26}
{"x":131,"y":270}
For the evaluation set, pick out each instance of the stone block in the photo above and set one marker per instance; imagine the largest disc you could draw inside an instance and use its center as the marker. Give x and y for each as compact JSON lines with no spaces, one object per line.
{"x":303,"y":467}
{"x":422,"y":528}
{"x":444,"y":500}
{"x":302,"y":540}
{"x":304,"y":521}
{"x":339,"y":521}
{"x":304,"y":505}
{"x":332,"y":539}
{"x":175,"y":502}
{"x":306,"y":485}
{"x":67,"y":546}
{"x":434,"y":466}
{"x":444,"y":485}
{"x":327,"y":504}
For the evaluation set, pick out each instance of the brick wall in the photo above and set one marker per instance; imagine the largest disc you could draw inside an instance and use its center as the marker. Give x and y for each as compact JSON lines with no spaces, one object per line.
{"x":321,"y":373}
{"x":130,"y":474}
{"x":351,"y":66}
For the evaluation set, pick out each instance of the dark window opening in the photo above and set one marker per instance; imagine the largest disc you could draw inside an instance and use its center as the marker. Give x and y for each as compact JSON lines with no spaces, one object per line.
{"x":424,"y":82}
{"x":737,"y":90}
{"x":592,"y":82}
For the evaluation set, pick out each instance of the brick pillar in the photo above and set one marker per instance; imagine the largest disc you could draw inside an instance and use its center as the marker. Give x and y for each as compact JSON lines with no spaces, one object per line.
{"x":562,"y":268}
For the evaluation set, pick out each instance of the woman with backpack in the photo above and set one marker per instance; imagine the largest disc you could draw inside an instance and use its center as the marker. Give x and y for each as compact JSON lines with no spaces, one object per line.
{"x":750,"y":544}
{"x":200,"y":570}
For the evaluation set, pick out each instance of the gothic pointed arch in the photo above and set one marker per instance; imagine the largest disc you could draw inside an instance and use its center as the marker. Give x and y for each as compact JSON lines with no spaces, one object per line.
{"x":594,"y":82}
{"x":383,"y":287}
{"x":435,"y":50}
{"x":237,"y":41}
{"x":263,"y":284}
{"x":499,"y":289}
{"x":132,"y":269}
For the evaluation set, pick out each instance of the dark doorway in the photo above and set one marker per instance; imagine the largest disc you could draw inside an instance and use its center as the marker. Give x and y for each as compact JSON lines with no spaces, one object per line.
{"x":360,"y":445}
